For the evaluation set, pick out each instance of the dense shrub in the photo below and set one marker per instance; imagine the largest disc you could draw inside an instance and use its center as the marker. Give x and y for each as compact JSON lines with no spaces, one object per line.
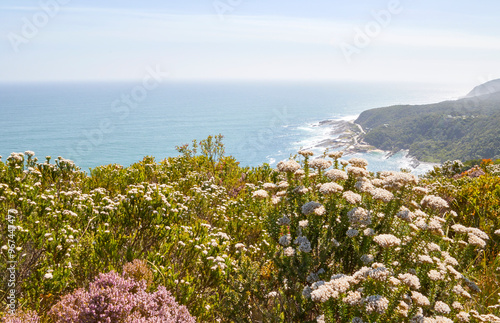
{"x":317,"y":239}
{"x":114,"y":298}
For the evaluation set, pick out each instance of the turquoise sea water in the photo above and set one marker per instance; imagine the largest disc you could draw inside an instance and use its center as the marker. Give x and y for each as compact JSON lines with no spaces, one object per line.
{"x":262,"y":122}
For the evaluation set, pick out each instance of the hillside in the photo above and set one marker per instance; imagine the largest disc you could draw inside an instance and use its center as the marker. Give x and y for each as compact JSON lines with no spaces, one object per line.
{"x":462,"y":129}
{"x":486,"y":88}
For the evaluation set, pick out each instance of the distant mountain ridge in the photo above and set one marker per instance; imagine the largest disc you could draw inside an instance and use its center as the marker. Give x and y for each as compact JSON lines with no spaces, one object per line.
{"x":463,"y":129}
{"x":486,"y":88}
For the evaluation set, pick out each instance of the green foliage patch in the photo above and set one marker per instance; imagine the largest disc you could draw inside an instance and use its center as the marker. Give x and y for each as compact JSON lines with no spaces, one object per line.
{"x":317,"y":239}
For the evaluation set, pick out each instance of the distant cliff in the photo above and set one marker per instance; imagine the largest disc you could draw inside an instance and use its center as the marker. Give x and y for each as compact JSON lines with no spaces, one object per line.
{"x":463,"y":129}
{"x":486,"y":88}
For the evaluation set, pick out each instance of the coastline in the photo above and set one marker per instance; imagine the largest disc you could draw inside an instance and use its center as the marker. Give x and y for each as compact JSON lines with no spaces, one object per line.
{"x":346,"y":137}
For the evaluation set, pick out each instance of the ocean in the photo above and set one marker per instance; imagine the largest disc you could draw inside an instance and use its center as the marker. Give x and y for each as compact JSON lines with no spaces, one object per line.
{"x":262,"y":122}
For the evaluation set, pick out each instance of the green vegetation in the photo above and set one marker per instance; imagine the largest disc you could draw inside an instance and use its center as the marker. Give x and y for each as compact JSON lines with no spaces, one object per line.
{"x":315,"y":240}
{"x":463,"y":129}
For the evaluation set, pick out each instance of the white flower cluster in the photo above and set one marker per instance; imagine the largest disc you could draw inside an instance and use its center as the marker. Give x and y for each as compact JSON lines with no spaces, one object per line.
{"x":359,"y":217}
{"x":303,"y":223}
{"x":320,"y":163}
{"x":336,"y":175}
{"x":376,"y":304}
{"x":410,"y":280}
{"x":240,"y":246}
{"x":435,"y":275}
{"x":397,"y":180}
{"x":405,"y":214}
{"x":283,"y":185}
{"x":357,"y":171}
{"x":288,"y":166}
{"x":285,"y":240}
{"x":330,"y":188}
{"x":260,"y":194}
{"x":420,"y":190}
{"x":313,"y":207}
{"x":306,"y":153}
{"x":364,"y":185}
{"x":304,"y":244}
{"x":289,"y":251}
{"x":476,"y":241}
{"x":336,"y":154}
{"x":269,"y":186}
{"x":358,"y":162}
{"x":353,"y":298}
{"x":322,"y":291}
{"x":476,"y":237}
{"x":387,"y":240}
{"x":442,"y":308}
{"x":420,"y":299}
{"x":219,"y":262}
{"x":351,"y":197}
{"x":434,"y":202}
{"x":382,"y":195}
{"x":351,"y":233}
{"x":17,"y":157}
{"x":301,"y":190}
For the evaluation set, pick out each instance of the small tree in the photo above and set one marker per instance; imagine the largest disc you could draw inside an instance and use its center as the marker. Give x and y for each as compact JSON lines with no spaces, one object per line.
{"x":213,"y":149}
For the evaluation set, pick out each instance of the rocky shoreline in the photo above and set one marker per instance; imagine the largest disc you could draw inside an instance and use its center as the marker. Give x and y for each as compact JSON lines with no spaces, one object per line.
{"x":347,"y":136}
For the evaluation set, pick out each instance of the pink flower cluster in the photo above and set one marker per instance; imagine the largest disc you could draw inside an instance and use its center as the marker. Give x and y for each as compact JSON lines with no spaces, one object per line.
{"x":114,"y":298}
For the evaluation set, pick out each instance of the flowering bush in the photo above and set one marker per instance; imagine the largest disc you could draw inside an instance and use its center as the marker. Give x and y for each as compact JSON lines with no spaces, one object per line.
{"x":316,"y":239}
{"x":374,"y":248}
{"x":114,"y":298}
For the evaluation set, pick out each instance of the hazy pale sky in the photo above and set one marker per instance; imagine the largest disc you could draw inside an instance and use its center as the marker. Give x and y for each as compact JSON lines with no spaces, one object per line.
{"x":391,"y":40}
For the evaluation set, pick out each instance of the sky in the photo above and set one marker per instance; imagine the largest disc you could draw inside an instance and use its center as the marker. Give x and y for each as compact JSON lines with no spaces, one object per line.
{"x":446,"y":41}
